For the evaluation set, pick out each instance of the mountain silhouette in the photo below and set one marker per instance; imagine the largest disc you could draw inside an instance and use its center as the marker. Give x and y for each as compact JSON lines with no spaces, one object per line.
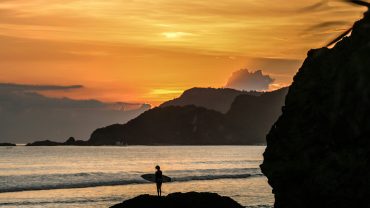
{"x":211,"y":98}
{"x":246,"y":123}
{"x":251,"y":117}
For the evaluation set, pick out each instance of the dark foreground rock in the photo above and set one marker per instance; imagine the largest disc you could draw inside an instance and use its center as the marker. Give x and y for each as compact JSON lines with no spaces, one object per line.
{"x":7,"y":144}
{"x":318,"y":151}
{"x":180,"y":200}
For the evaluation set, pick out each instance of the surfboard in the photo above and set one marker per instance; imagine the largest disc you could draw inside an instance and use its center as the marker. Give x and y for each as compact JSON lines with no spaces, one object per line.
{"x":151,"y":178}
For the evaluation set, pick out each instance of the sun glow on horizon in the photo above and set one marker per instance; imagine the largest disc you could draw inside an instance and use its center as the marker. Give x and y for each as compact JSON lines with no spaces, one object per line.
{"x":174,"y":35}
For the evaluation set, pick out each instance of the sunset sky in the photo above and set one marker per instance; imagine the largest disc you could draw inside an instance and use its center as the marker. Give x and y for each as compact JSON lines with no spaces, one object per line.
{"x":151,"y":50}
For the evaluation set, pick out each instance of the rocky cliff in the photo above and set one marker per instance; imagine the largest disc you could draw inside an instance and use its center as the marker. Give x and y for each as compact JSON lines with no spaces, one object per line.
{"x":318,"y":151}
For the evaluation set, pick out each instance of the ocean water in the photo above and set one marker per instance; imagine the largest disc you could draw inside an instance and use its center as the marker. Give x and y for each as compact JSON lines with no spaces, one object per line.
{"x":95,"y":177}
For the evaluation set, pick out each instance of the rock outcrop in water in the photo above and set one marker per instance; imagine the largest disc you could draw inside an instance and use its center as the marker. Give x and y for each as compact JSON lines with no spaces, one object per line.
{"x":318,"y":151}
{"x":180,"y":200}
{"x":44,"y":143}
{"x":70,"y":141}
{"x":7,"y":144}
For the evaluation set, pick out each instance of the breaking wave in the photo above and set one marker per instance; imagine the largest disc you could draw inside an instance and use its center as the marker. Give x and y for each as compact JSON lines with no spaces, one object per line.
{"x":94,"y":179}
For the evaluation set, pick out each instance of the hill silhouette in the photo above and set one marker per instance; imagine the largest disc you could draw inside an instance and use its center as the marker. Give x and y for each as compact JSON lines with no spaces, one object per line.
{"x":27,"y":112}
{"x":172,"y":125}
{"x":211,"y":98}
{"x":251,"y":117}
{"x":246,"y":123}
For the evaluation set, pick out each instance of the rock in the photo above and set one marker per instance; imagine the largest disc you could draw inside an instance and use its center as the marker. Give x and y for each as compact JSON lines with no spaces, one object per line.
{"x":74,"y":142}
{"x":7,"y":144}
{"x":318,"y":151}
{"x":180,"y":200}
{"x":70,"y":141}
{"x":80,"y":143}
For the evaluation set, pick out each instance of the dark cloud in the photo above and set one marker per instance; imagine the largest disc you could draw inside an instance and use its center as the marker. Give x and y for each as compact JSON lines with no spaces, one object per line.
{"x":10,"y":87}
{"x":245,"y":80}
{"x":27,"y":115}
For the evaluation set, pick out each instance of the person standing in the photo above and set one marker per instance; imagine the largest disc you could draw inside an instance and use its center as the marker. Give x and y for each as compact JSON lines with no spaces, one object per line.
{"x":158,"y":180}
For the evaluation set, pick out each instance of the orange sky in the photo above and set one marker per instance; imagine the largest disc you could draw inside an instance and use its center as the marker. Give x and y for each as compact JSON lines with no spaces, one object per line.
{"x":151,"y":50}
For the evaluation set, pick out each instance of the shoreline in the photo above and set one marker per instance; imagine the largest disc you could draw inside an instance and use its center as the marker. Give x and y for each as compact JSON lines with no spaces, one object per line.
{"x":142,"y":145}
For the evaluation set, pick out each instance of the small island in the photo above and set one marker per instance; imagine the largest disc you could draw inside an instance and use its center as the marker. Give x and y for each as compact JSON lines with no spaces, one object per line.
{"x":69,"y":141}
{"x":7,"y":144}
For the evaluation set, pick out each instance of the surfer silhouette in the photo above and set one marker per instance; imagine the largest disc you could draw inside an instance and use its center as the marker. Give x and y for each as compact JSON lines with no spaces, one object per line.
{"x":158,"y":180}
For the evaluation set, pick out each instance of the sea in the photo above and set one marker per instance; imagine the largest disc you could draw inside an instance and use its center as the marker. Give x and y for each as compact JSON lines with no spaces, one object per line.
{"x":73,"y":176}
